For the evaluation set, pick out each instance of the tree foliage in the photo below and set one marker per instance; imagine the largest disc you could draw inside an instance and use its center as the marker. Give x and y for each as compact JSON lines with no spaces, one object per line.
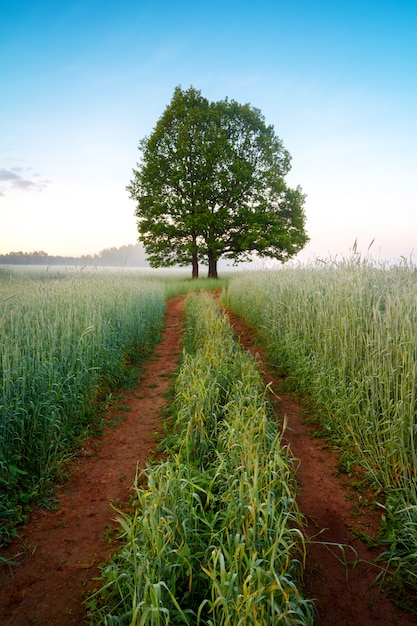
{"x":210,"y":184}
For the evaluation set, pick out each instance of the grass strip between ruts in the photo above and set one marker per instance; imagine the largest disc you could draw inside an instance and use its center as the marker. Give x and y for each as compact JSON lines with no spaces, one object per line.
{"x":214,"y":537}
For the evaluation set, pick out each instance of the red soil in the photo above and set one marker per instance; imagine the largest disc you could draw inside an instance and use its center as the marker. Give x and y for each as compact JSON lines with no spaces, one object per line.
{"x":60,"y":550}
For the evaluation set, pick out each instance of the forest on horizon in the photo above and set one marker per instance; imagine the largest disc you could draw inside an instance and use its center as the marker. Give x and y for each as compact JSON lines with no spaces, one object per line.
{"x":132,"y":255}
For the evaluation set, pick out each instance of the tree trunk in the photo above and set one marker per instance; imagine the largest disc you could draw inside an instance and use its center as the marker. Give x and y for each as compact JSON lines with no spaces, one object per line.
{"x":212,"y":270}
{"x":195,"y":266}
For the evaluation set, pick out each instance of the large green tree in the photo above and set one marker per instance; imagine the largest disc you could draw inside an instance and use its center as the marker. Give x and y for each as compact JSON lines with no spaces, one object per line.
{"x":210,"y":184}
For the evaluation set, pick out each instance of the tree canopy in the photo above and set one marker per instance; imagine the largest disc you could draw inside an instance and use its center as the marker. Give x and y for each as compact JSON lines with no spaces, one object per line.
{"x":210,"y":184}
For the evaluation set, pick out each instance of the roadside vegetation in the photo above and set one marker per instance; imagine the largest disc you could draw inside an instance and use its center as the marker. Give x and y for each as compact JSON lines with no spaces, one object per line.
{"x":67,"y":340}
{"x":345,"y":335}
{"x":214,"y":536}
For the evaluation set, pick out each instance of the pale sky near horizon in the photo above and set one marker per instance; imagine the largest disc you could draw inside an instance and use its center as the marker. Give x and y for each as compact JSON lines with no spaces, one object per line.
{"x":82,"y":81}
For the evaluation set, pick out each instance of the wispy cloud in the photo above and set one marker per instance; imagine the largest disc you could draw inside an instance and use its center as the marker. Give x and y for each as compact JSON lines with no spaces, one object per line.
{"x":22,"y":179}
{"x":7,"y":175}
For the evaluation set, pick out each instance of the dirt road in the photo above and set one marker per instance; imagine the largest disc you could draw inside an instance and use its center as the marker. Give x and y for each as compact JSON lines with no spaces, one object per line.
{"x":60,"y":550}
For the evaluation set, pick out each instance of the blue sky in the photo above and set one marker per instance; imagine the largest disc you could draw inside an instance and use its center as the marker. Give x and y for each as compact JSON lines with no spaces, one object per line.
{"x":83,"y":81}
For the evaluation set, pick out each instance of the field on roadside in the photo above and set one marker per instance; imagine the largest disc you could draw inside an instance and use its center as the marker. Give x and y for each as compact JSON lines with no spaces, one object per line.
{"x":345,"y":334}
{"x":66,"y":341}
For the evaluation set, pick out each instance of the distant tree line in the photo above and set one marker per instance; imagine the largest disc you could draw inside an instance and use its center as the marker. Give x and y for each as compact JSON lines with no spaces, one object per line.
{"x":125,"y":256}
